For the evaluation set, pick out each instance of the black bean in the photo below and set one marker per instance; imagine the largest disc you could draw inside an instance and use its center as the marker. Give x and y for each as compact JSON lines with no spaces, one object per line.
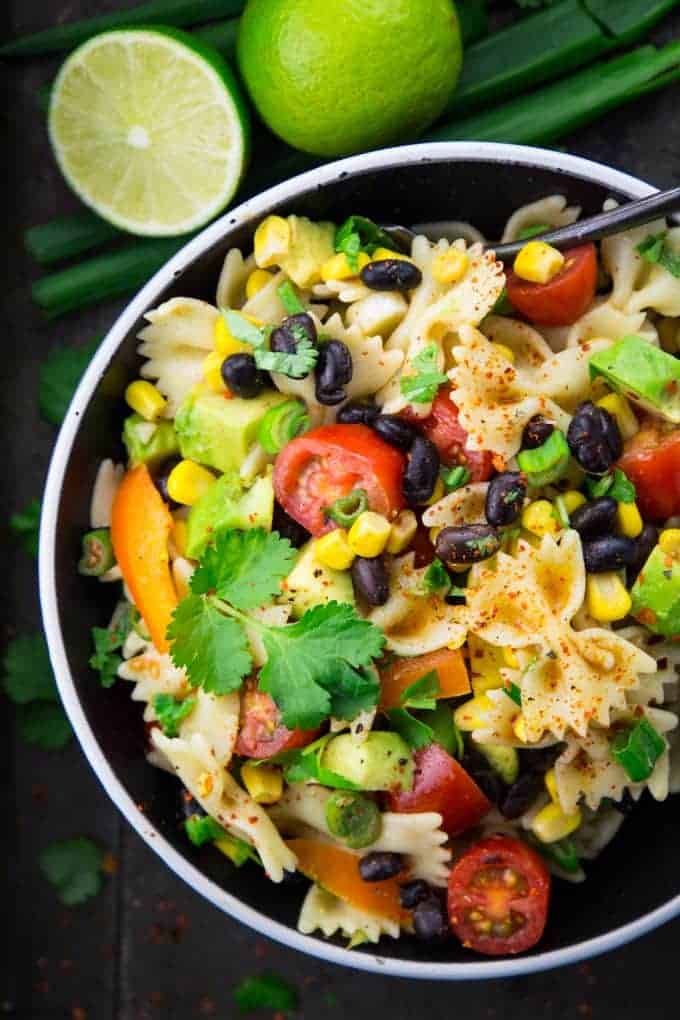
{"x":414,"y":892}
{"x":626,"y":804}
{"x":597,"y":517}
{"x":357,"y":412}
{"x":430,"y":920}
{"x":160,"y":478}
{"x":286,"y":337}
{"x":395,"y":431}
{"x":536,"y":431}
{"x":371,"y":579}
{"x":242,"y":376}
{"x":489,"y":782}
{"x":594,"y":438}
{"x":288,"y":527}
{"x":421,"y":471}
{"x":540,"y":760}
{"x":391,"y":274}
{"x":468,"y":543}
{"x":332,"y":372}
{"x":611,"y":552}
{"x":380,"y":865}
{"x":644,"y":544}
{"x":521,"y":795}
{"x":504,"y":498}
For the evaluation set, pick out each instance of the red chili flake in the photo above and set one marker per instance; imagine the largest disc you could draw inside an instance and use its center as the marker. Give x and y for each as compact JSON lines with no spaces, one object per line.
{"x":109,"y":864}
{"x":78,"y":1013}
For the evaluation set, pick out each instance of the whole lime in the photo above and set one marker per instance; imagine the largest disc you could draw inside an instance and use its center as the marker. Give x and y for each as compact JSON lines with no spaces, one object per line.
{"x":334,"y":77}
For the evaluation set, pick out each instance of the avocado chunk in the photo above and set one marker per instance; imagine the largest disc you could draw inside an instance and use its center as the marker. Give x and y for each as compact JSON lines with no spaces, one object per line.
{"x":219,"y":432}
{"x":656,"y":594}
{"x":310,"y":583}
{"x":311,"y":244}
{"x":503,"y":760}
{"x":149,"y":442}
{"x":382,"y":761}
{"x":645,"y":374}
{"x":227,"y":504}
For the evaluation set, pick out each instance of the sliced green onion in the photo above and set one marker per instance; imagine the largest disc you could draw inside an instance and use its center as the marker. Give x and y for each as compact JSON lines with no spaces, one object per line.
{"x":637,"y":750}
{"x":97,"y":556}
{"x":289,"y":299}
{"x":281,"y":424}
{"x":237,"y":850}
{"x":529,"y":232}
{"x":203,"y":829}
{"x":66,"y":236}
{"x":547,"y":463}
{"x":353,"y":818}
{"x":560,"y":512}
{"x":156,"y":12}
{"x":473,"y":20}
{"x":455,"y":477}
{"x":345,"y":510}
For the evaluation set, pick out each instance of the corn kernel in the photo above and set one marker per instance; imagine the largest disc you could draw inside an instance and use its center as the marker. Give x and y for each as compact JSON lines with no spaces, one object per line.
{"x":572,"y":500}
{"x":369,"y":534}
{"x":538,"y":518}
{"x":263,"y":782}
{"x":669,"y":541}
{"x":204,"y":784}
{"x":144,"y":398}
{"x":179,"y":536}
{"x":225,"y":343}
{"x":271,"y":241}
{"x":501,"y":349}
{"x":472,"y":714}
{"x":538,"y":262}
{"x":334,"y":551}
{"x":551,"y":823}
{"x":550,"y":780}
{"x":450,"y":266}
{"x":628,"y":519}
{"x":258,"y":279}
{"x":606,"y":597}
{"x":212,"y":371}
{"x":620,"y":409}
{"x":337,"y":267}
{"x":489,"y":682}
{"x":188,"y":481}
{"x":510,"y":659}
{"x":380,"y":254}
{"x":402,"y":532}
{"x":437,"y":493}
{"x":519,"y":727}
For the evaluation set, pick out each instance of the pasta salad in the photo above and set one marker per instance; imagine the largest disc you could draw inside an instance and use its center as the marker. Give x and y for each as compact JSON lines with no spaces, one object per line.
{"x":399,"y":542}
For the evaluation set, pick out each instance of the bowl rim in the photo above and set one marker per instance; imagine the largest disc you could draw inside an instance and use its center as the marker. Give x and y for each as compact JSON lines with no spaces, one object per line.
{"x":254,"y":207}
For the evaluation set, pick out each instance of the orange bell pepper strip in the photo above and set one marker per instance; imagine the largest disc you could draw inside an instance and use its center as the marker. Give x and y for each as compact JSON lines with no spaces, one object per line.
{"x":140,"y":526}
{"x":337,"y":871}
{"x":448,"y":663}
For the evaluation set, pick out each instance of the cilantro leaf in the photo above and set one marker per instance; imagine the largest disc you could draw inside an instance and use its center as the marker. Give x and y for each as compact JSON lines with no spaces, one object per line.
{"x":289,"y":298}
{"x":297,"y":364}
{"x":655,"y":250}
{"x":59,"y":376}
{"x":514,"y":692}
{"x":268,"y":991}
{"x":533,"y":231}
{"x":416,"y":733}
{"x":622,"y":489}
{"x":352,"y":691}
{"x":104,"y":659}
{"x":244,"y":568}
{"x":211,"y":647}
{"x":26,"y":525}
{"x":44,"y":724}
{"x":171,"y":711}
{"x":455,"y":477}
{"x":27,"y":671}
{"x":73,"y":866}
{"x":305,"y":764}
{"x":358,"y":233}
{"x":243,"y":329}
{"x":422,"y":693}
{"x":436,"y":578}
{"x":421,"y":388}
{"x":307,"y":663}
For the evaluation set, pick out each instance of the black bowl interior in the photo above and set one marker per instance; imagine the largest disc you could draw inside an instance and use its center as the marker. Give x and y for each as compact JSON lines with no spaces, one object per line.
{"x":621,"y":886}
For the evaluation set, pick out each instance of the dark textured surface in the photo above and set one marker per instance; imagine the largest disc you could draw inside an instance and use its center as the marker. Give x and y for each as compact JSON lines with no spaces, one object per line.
{"x":148,"y":946}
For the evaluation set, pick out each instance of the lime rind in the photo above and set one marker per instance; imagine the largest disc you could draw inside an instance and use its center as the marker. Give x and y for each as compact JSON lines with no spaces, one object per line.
{"x":149,"y":128}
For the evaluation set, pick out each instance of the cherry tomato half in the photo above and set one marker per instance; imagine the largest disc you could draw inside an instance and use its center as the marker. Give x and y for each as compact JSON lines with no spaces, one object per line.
{"x":652,"y":462}
{"x":314,"y":470}
{"x":442,"y":785}
{"x":565,"y":298}
{"x":443,"y":429}
{"x":262,"y":734}
{"x":498,"y":896}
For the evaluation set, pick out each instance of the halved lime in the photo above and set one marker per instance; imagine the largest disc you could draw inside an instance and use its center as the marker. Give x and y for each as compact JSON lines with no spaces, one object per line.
{"x":149,"y":129}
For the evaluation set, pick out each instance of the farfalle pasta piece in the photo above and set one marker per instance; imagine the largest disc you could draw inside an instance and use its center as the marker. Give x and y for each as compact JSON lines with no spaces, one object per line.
{"x":231,"y":286}
{"x":175,"y":343}
{"x":623,"y":262}
{"x":463,"y":506}
{"x":324,"y":912}
{"x":551,"y":210}
{"x":604,"y":319}
{"x":530,"y":599}
{"x":218,"y":793}
{"x":414,"y":622}
{"x":152,"y":672}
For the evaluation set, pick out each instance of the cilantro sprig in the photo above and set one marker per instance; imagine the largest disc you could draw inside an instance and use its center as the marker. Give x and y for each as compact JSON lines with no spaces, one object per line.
{"x":170,"y":712}
{"x":654,"y":249}
{"x":74,"y":867}
{"x":107,"y":643}
{"x":422,"y":386}
{"x":421,"y":695}
{"x":358,"y":234}
{"x":29,"y":683}
{"x":26,"y":524}
{"x":315,"y":667}
{"x":267,"y":991}
{"x":59,"y":376}
{"x":616,"y":486}
{"x":296,"y":364}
